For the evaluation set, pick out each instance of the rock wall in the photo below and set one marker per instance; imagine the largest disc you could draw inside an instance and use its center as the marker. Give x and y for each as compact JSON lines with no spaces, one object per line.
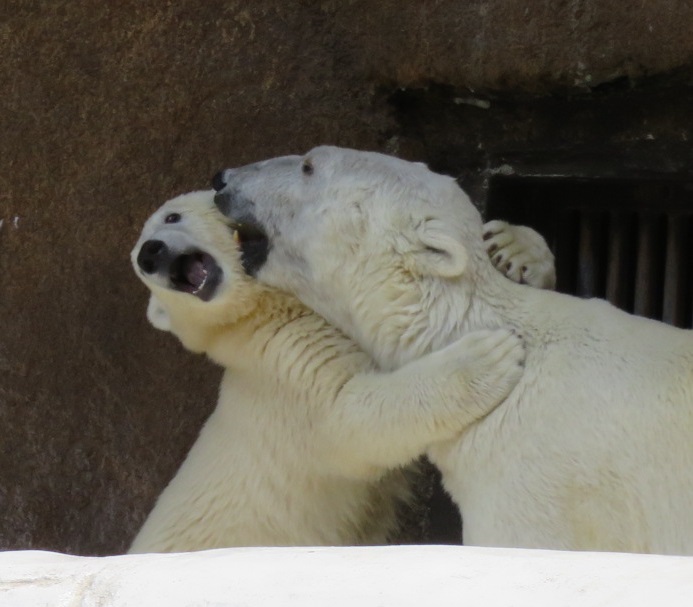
{"x":108,"y":109}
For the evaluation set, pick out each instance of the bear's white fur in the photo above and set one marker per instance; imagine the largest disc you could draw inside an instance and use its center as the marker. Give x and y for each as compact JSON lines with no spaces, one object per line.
{"x":520,"y":253}
{"x":302,"y":448}
{"x":594,"y":448}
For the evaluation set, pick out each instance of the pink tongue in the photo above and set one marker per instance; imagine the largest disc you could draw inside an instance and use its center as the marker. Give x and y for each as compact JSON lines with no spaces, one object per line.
{"x":195,"y":273}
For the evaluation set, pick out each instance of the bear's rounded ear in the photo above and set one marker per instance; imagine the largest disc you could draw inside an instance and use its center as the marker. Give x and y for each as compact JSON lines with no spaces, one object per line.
{"x":440,"y":251}
{"x":157,"y":315}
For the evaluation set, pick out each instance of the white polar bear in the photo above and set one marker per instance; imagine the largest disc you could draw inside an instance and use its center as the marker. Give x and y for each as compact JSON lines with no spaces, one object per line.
{"x":301,"y":448}
{"x":594,"y":448}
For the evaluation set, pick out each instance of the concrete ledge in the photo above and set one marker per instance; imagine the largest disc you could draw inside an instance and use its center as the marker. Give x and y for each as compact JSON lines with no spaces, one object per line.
{"x":395,"y":575}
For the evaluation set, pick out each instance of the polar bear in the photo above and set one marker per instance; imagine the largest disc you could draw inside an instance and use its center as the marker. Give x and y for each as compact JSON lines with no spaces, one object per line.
{"x":301,"y":448}
{"x":592,"y":450}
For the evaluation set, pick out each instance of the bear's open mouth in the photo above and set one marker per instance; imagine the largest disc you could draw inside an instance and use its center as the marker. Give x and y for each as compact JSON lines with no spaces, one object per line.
{"x":196,"y":273}
{"x":253,"y":244}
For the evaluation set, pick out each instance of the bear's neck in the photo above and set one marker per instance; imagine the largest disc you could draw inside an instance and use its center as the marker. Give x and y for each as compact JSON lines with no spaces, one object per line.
{"x":450,"y":309}
{"x":235,"y":345}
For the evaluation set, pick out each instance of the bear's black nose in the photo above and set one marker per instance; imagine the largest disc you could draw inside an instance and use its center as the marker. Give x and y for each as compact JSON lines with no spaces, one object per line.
{"x":152,"y":253}
{"x":219,"y":181}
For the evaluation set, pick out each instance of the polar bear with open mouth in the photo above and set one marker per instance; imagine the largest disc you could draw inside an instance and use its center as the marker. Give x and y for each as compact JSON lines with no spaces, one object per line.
{"x":594,"y":448}
{"x":303,"y":447}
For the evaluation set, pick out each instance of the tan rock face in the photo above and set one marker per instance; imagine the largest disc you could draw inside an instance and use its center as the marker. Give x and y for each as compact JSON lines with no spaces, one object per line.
{"x":108,"y":109}
{"x":106,"y":112}
{"x":530,"y":46}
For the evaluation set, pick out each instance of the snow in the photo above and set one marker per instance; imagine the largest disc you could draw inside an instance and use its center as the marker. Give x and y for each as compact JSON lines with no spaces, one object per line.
{"x":401,"y":576}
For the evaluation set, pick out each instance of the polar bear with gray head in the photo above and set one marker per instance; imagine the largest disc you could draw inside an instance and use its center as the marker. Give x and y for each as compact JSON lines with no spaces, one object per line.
{"x":303,"y":447}
{"x":593,"y":449}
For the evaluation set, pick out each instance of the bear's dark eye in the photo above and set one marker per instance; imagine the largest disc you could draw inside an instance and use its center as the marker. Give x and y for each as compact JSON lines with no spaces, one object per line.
{"x":307,"y":167}
{"x":172,"y":218}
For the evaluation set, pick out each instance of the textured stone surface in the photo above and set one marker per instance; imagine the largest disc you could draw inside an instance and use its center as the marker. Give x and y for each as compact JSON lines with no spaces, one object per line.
{"x":107,"y":109}
{"x":407,"y":576}
{"x":105,"y":113}
{"x":534,"y":46}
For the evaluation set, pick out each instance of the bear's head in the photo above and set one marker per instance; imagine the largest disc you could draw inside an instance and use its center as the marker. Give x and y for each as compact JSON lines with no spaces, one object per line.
{"x":355,"y":235}
{"x":189,"y":258}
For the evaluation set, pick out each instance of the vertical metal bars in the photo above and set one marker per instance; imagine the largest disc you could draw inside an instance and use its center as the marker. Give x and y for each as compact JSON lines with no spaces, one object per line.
{"x":627,"y":241}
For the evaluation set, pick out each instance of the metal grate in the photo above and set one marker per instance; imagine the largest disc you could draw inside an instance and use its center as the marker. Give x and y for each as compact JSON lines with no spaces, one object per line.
{"x":629,"y":241}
